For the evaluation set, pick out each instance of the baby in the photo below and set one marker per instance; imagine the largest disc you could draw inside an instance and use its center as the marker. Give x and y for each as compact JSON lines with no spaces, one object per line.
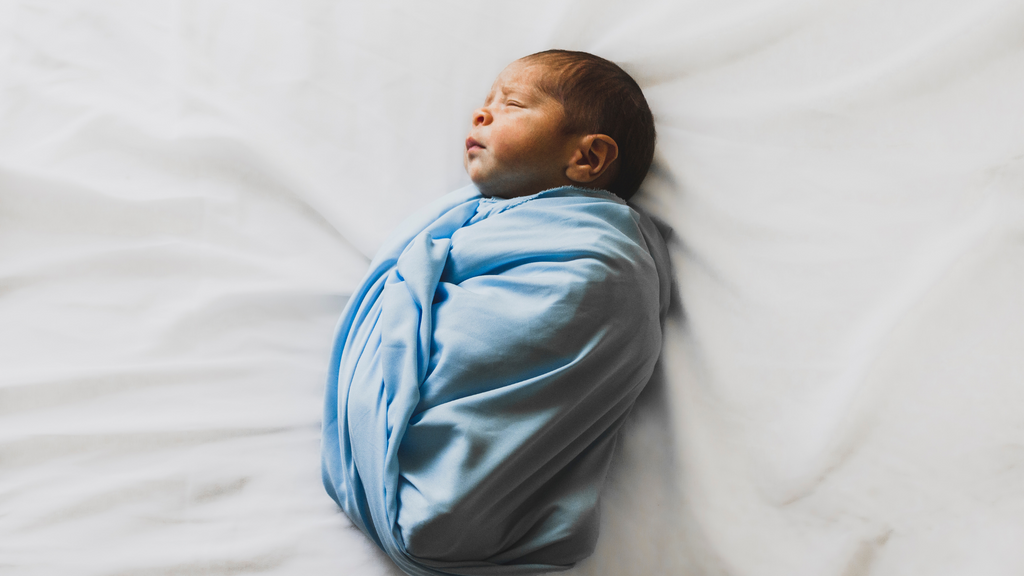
{"x":483,"y":368}
{"x":560,"y":118}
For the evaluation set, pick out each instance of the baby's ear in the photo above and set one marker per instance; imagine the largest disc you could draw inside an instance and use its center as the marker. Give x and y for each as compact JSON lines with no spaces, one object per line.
{"x":592,"y":158}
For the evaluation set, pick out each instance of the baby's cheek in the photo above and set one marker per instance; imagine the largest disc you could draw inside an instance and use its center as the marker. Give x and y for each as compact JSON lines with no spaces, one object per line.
{"x":504,"y":151}
{"x":507,"y":142}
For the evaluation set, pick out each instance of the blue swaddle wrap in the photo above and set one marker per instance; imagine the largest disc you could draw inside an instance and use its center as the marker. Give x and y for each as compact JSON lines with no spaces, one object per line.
{"x":481,"y":372}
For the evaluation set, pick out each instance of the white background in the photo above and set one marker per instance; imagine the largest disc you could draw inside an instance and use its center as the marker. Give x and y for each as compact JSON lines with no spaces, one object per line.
{"x":190,"y":190}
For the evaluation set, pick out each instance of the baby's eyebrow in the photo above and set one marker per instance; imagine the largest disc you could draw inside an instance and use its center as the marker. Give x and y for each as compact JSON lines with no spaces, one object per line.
{"x":519,"y":92}
{"x":506,"y":91}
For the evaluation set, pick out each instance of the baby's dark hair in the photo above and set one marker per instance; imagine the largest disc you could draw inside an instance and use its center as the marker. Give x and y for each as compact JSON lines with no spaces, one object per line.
{"x":601,"y":98}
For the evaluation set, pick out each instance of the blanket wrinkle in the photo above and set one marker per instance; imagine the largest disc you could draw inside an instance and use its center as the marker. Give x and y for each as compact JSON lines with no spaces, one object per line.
{"x":480,"y":375}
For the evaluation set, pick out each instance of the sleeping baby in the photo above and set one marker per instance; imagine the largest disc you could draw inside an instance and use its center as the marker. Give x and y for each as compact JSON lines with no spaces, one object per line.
{"x":484,"y":366}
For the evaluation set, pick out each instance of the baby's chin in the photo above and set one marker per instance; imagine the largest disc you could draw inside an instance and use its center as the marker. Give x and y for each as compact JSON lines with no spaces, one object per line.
{"x":488,"y":190}
{"x":506,"y":185}
{"x":486,"y":186}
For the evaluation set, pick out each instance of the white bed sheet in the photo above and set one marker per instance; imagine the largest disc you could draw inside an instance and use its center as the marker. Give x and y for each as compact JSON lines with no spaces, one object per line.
{"x":189,"y":191}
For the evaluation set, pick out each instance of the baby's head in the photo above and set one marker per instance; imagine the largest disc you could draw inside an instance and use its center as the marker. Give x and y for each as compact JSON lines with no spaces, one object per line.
{"x":561,"y":118}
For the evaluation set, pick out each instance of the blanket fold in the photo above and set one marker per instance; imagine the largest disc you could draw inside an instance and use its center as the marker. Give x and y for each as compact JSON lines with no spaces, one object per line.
{"x":480,"y":374}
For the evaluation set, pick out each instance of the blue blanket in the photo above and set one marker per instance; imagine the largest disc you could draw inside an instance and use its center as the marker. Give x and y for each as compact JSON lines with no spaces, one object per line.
{"x":481,"y":372}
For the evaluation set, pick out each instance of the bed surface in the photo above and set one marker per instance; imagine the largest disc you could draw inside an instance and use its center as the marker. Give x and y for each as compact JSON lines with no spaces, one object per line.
{"x":189,"y":191}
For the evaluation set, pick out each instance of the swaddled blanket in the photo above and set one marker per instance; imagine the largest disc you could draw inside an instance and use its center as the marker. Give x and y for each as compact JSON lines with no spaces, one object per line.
{"x":481,"y":372}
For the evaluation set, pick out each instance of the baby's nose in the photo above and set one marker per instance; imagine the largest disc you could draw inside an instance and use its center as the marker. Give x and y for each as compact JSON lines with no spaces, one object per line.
{"x":481,"y":117}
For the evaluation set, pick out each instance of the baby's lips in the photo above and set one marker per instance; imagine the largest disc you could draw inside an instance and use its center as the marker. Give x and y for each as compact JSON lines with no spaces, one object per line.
{"x":471,"y":143}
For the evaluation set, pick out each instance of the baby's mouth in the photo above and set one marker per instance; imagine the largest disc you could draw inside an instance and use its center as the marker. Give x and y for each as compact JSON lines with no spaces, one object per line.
{"x":473,"y":144}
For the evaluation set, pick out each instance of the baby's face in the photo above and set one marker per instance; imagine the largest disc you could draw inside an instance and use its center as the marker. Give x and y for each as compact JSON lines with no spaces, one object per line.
{"x":516,"y":145}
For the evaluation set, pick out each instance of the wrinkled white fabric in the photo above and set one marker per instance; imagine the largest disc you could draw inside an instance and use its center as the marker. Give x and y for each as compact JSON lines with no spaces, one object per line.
{"x":190,"y":190}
